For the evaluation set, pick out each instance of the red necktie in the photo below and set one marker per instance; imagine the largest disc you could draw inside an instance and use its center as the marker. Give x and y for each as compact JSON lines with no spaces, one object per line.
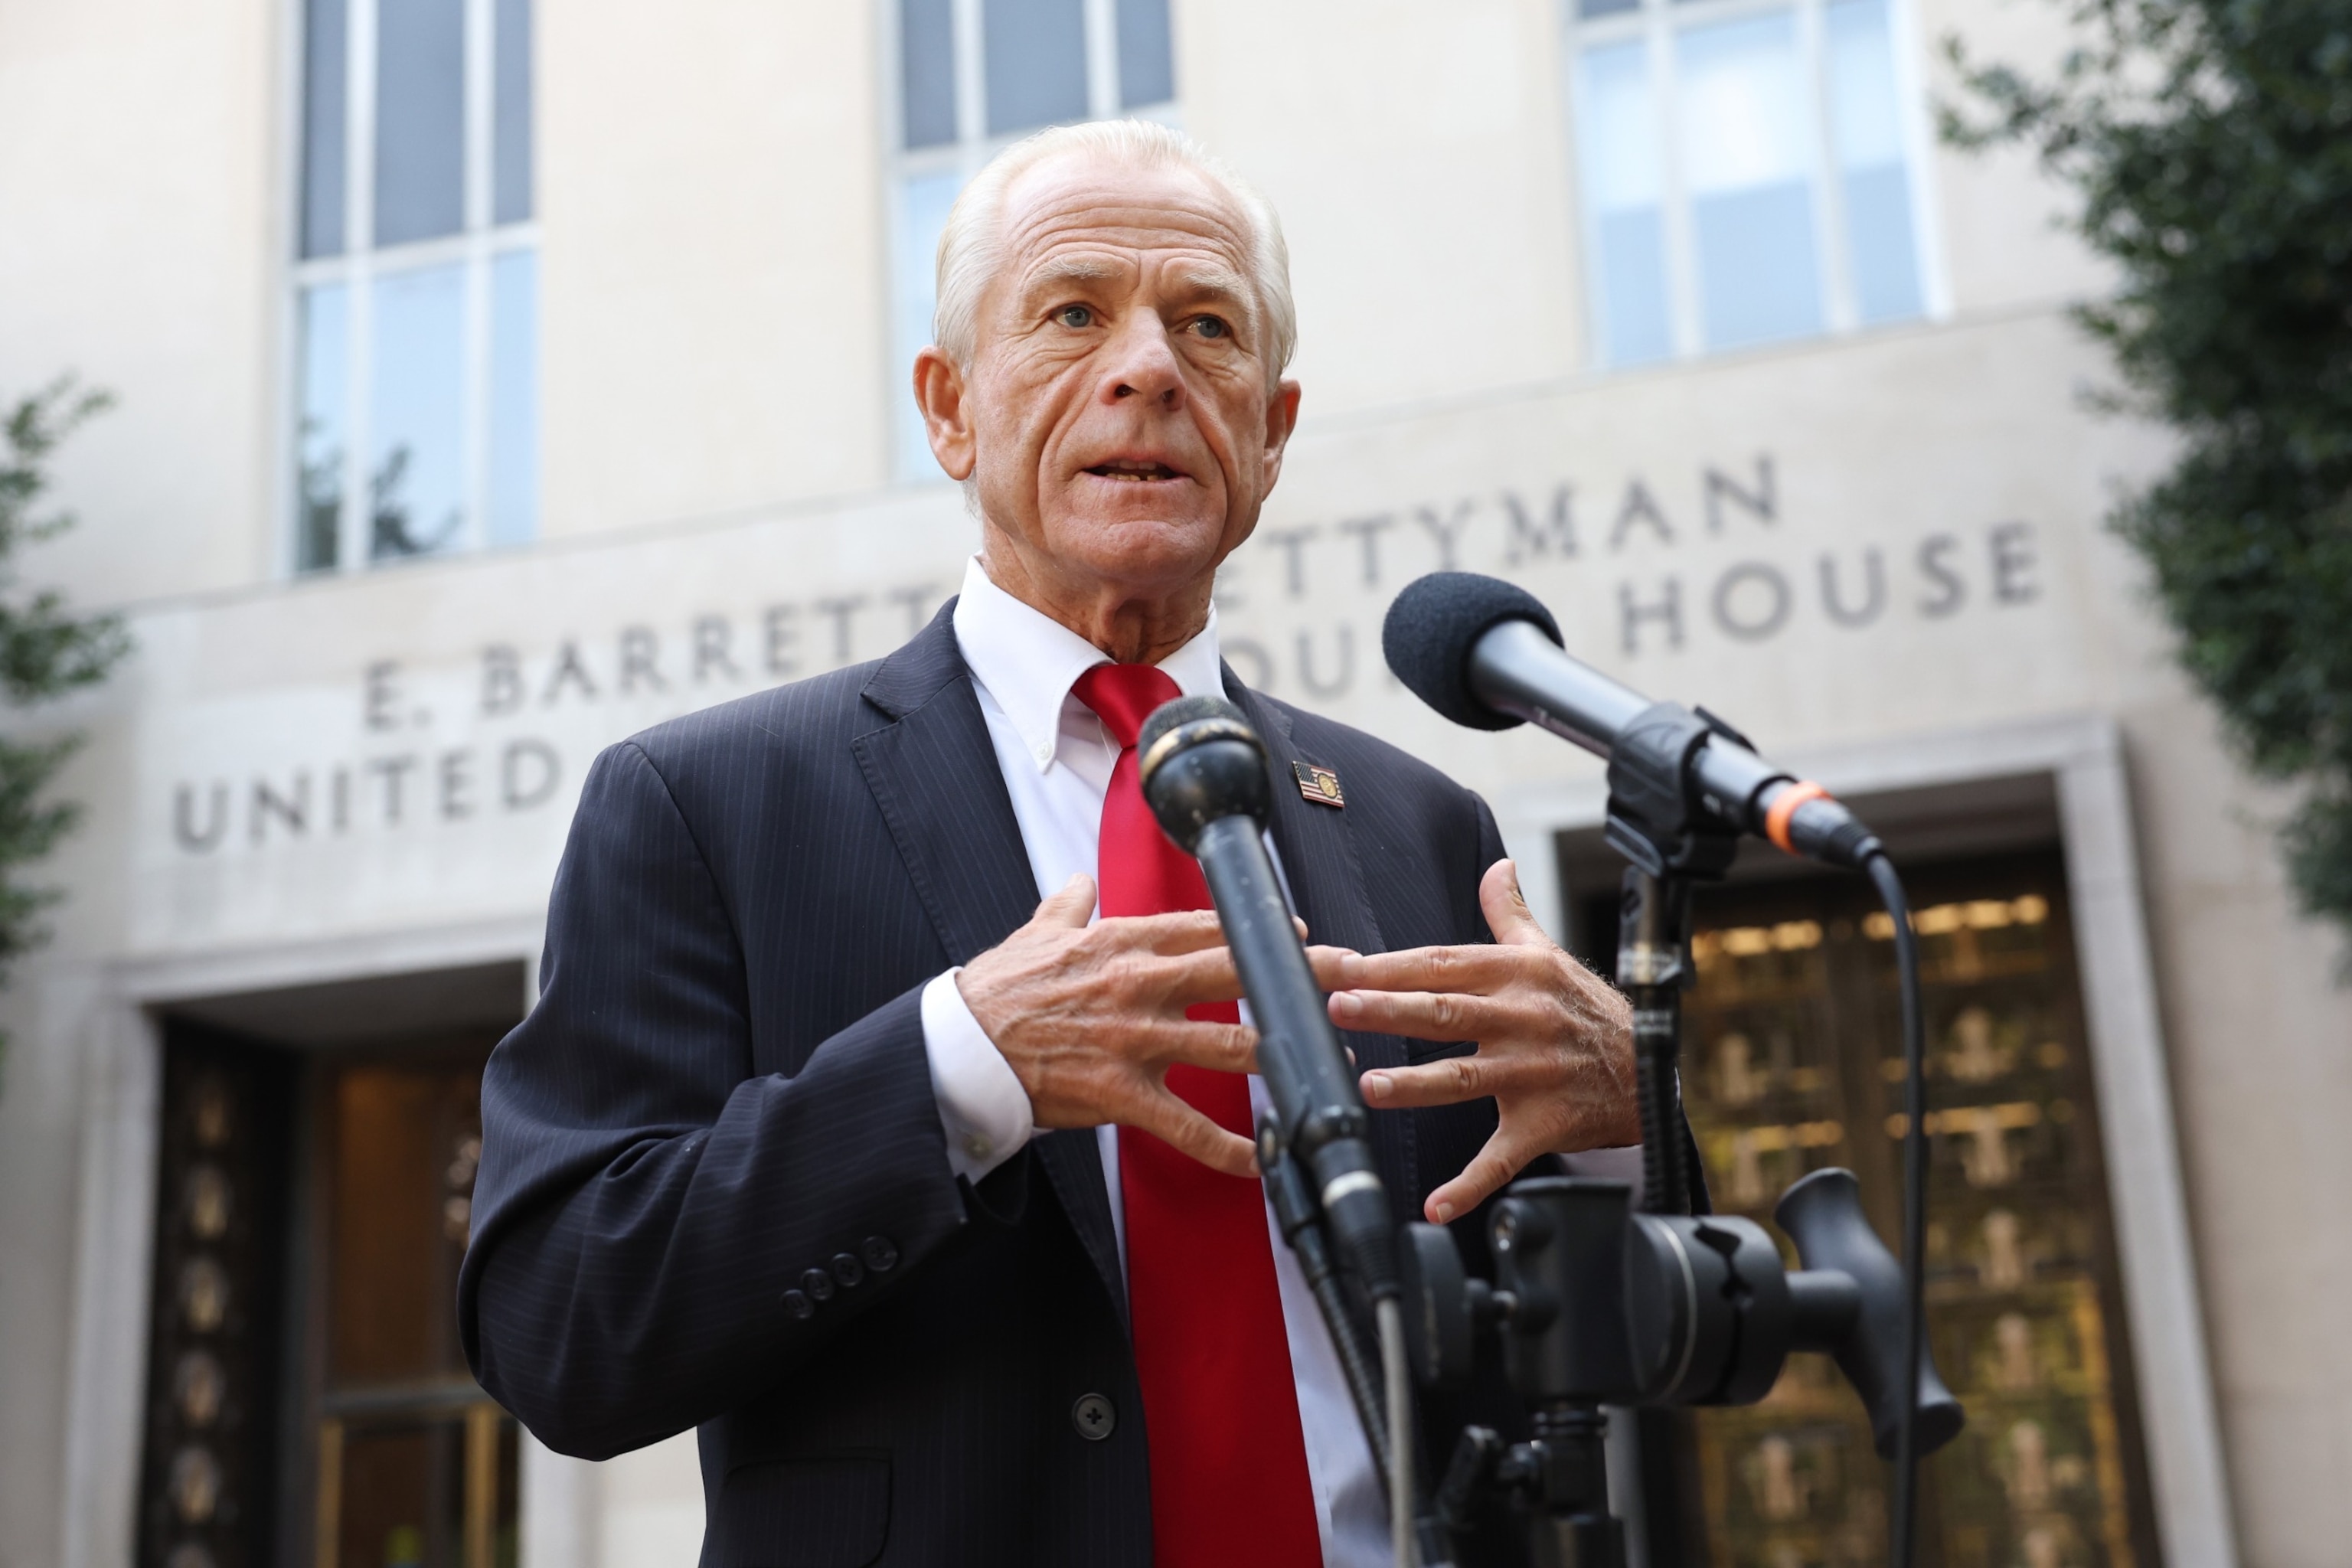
{"x":1229,"y":1485}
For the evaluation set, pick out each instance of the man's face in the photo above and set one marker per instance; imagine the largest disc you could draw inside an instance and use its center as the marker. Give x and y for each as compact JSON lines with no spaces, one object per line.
{"x":1119,"y":415}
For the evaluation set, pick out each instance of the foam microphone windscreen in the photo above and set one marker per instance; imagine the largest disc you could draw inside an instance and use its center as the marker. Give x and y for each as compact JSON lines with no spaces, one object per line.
{"x":1179,"y":711}
{"x":1435,"y":622}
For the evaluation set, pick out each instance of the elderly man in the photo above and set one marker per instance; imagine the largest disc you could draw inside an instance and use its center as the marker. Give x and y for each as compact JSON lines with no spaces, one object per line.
{"x":930,"y":1203}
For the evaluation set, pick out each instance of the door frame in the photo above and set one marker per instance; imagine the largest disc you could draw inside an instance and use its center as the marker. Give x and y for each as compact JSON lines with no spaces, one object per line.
{"x":2083,"y":757}
{"x":121,"y":1052}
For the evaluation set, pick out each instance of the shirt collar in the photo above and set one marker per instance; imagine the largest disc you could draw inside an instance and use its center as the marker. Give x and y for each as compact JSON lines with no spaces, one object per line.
{"x":1028,"y":661}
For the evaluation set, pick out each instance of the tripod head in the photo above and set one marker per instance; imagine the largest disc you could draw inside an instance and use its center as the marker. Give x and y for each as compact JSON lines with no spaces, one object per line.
{"x":1595,"y":1304}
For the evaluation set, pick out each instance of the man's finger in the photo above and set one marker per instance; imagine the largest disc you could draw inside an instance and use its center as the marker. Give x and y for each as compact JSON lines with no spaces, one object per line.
{"x":1207,"y":975}
{"x":1328,"y":962}
{"x":1170,"y":935}
{"x":1506,"y":907}
{"x":1449,"y":1080}
{"x":1186,"y":1131}
{"x":1481,"y":966}
{"x":1489,"y":1172}
{"x":1221,"y":1048}
{"x":1072,"y":905}
{"x":1421,"y":1014}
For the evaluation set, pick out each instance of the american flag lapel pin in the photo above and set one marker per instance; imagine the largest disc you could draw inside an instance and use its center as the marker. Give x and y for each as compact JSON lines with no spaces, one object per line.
{"x":1320,"y":786}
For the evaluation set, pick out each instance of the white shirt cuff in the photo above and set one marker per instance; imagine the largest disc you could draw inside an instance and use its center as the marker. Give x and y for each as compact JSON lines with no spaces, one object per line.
{"x":982,"y":1107}
{"x":1606,"y":1164}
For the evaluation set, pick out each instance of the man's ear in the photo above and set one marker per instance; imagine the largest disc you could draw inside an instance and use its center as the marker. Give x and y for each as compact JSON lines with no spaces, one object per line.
{"x":939,"y":393}
{"x":1281,"y":419}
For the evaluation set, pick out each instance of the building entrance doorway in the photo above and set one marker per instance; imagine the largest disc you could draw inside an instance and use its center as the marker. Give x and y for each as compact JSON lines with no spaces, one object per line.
{"x":415,"y":1466}
{"x":1792,"y":1062}
{"x":309,"y":1405}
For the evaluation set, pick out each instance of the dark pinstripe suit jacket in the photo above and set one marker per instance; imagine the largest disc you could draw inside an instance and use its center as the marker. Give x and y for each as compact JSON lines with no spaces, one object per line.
{"x":724,"y":1085}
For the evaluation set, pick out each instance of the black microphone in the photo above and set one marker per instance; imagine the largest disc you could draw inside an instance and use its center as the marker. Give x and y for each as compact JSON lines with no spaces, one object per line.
{"x":1486,"y":653}
{"x":1205,"y":776}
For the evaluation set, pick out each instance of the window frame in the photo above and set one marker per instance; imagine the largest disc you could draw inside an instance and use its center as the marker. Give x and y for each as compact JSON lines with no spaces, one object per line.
{"x":910,"y":459}
{"x":359,"y":264}
{"x":1655,"y":23}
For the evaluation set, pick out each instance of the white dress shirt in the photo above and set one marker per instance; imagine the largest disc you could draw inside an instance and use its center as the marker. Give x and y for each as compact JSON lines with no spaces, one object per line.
{"x":1056,"y":759}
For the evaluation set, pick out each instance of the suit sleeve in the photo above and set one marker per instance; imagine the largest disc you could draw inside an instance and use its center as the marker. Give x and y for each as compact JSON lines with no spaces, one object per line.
{"x":645,"y":1202}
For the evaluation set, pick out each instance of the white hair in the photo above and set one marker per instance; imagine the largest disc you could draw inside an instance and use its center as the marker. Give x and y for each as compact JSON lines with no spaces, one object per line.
{"x":972,"y":245}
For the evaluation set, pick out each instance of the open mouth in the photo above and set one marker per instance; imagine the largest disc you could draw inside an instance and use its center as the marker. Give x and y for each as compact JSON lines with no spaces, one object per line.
{"x":1133,"y":472}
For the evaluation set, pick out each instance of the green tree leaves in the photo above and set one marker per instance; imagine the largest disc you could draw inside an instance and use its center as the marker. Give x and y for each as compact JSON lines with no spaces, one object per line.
{"x":45,"y":653}
{"x":2211,"y":143}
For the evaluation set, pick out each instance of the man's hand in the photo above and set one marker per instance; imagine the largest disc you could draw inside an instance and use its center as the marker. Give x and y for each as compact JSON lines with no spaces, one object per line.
{"x":1555,"y":1041}
{"x":1092,"y":1017}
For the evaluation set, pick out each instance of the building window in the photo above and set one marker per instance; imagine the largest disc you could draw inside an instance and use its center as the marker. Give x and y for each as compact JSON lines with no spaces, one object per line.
{"x":1748,"y":173}
{"x":415,"y":282}
{"x":972,"y":76}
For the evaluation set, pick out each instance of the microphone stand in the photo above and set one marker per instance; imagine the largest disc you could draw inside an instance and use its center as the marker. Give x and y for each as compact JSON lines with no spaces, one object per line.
{"x":1205,"y":775}
{"x":1370,"y":1382}
{"x":1669,"y":844}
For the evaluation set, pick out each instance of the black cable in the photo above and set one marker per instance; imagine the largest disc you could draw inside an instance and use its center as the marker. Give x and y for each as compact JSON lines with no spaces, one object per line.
{"x":1905,"y":1525}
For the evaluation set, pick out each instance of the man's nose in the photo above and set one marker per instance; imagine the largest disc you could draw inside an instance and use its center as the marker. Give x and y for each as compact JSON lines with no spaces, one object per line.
{"x":1142,"y":364}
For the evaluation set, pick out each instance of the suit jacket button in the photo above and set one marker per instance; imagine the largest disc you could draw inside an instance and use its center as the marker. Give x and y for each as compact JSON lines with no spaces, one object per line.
{"x":848,"y":1271}
{"x":798,"y":1304}
{"x":880,"y":1256}
{"x":818,"y":1284}
{"x":1094,"y":1416}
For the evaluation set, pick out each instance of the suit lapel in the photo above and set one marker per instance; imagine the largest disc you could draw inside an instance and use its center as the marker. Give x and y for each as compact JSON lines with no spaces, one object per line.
{"x":933,"y":773}
{"x":1326,"y":883}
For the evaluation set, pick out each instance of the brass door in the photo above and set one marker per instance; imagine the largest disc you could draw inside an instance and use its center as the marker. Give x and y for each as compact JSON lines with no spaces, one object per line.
{"x":1792,"y":1062}
{"x":414,"y":1467}
{"x":209,"y":1490}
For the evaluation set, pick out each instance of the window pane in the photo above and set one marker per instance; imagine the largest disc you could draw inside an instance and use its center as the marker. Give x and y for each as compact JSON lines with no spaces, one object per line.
{"x":1036,"y":54}
{"x":1865,"y":124}
{"x":1885,"y":261}
{"x":514,"y":399}
{"x":1866,"y":128}
{"x":1746,"y":165}
{"x":510,"y":120}
{"x":417,"y":454}
{"x":1606,"y":7}
{"x":1618,"y":148}
{"x":326,"y":427}
{"x":420,"y":120}
{"x":324,"y":106}
{"x":923,"y":204}
{"x":1147,"y":72}
{"x":927,"y":70}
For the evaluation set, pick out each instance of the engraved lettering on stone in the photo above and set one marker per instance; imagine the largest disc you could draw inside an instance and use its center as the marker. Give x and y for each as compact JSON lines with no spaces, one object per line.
{"x":640,"y":656}
{"x":1874,"y":592}
{"x":1367,"y":531}
{"x":185,"y":829}
{"x":1664,"y":610}
{"x":1446,"y":529}
{"x":1343,"y":665}
{"x":1762,"y":502}
{"x":1639,"y":506}
{"x":711,"y":636}
{"x":1951,"y":592}
{"x":1751,"y":601}
{"x":1536,"y":533}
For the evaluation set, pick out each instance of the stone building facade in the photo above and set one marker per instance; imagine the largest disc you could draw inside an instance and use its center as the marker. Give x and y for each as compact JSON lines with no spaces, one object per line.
{"x":496,"y":382}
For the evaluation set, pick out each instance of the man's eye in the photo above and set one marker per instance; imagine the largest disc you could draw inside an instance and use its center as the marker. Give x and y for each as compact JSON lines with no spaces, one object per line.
{"x":1075,"y":316}
{"x":1212,"y":327}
